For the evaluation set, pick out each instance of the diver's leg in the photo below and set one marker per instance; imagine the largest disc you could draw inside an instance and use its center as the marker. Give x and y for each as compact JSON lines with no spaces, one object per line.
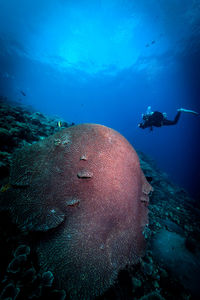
{"x":169,"y":122}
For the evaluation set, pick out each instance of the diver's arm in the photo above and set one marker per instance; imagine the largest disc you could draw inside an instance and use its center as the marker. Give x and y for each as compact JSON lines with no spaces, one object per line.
{"x":141,"y":125}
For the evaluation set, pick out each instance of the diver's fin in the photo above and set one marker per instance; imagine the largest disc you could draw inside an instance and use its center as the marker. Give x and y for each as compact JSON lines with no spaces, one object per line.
{"x":188,"y":111}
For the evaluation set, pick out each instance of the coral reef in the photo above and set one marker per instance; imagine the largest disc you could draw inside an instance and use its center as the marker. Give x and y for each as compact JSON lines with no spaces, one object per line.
{"x":172,"y":214}
{"x":19,"y":127}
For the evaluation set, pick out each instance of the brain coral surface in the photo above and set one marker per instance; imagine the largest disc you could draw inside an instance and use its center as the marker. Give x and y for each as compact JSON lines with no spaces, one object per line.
{"x":84,"y":189}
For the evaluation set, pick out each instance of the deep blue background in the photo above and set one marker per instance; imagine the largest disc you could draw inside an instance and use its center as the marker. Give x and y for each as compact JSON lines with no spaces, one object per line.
{"x":104,"y":62}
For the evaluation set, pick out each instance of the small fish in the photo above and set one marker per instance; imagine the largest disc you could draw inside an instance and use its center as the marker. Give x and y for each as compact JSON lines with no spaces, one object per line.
{"x":5,"y":187}
{"x":22,"y":92}
{"x":59,"y":124}
{"x":153,"y":42}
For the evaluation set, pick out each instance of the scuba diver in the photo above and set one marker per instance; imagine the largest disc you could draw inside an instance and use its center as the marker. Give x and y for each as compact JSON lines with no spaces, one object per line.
{"x":159,"y":119}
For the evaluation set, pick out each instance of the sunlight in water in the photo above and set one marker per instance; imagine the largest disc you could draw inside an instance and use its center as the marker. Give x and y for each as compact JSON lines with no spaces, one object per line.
{"x":88,"y":35}
{"x":97,"y":39}
{"x":94,"y":35}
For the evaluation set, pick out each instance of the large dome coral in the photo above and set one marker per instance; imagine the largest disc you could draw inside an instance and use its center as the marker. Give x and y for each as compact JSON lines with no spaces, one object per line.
{"x":84,"y":189}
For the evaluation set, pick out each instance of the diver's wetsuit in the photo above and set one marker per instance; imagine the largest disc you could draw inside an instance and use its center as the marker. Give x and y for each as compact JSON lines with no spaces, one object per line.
{"x":157,"y":119}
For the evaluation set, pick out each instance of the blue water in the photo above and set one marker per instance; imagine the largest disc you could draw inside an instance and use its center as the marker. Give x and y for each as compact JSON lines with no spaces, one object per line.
{"x":105,"y":61}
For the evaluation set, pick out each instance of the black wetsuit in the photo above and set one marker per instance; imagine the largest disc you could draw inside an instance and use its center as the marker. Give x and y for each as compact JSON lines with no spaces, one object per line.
{"x":157,"y":119}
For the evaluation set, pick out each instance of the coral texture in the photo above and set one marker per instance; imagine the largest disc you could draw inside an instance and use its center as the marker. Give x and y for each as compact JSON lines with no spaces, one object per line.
{"x":85,"y":183}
